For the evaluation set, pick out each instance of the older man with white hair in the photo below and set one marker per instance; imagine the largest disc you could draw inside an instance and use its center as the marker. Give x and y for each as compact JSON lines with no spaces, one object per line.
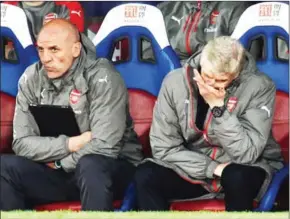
{"x":211,"y":132}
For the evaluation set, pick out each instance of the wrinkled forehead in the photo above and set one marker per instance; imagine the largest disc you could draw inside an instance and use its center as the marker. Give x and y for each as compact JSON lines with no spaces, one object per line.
{"x":211,"y":74}
{"x":50,"y":35}
{"x":210,"y":70}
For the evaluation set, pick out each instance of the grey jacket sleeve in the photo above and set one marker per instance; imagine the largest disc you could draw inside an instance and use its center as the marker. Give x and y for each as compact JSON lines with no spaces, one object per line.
{"x":27,"y":141}
{"x":244,"y":138}
{"x":107,"y":117}
{"x":167,"y":142}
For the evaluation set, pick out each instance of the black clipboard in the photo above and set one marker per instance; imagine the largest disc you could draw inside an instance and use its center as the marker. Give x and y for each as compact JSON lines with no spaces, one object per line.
{"x":53,"y":120}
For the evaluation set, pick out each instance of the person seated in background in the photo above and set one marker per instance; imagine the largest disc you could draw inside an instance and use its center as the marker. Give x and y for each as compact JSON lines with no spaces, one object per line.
{"x":211,"y":132}
{"x":40,"y":12}
{"x":95,"y":166}
{"x":190,"y":25}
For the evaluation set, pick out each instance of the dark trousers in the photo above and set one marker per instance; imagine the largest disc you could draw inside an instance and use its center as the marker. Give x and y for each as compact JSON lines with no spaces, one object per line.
{"x":96,"y":181}
{"x":156,"y":185}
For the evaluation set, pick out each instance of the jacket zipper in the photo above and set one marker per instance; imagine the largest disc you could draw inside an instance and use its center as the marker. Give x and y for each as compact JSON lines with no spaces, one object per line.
{"x":197,"y":182}
{"x":214,"y":152}
{"x":205,"y":132}
{"x":196,"y":21}
{"x":186,"y":22}
{"x":198,"y":15}
{"x":214,"y":187}
{"x":192,"y":123}
{"x":205,"y":135}
{"x":206,"y":127}
{"x":193,"y":24}
{"x":186,"y":112}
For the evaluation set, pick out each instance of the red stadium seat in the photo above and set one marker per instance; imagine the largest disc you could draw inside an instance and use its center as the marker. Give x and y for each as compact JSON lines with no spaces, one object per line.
{"x":141,"y":110}
{"x":280,"y":124}
{"x":199,"y":205}
{"x":73,"y":206}
{"x":7,"y":104}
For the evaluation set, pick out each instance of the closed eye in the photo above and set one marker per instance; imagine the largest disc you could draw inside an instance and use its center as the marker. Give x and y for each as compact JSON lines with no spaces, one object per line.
{"x":221,"y":81}
{"x":53,"y":49}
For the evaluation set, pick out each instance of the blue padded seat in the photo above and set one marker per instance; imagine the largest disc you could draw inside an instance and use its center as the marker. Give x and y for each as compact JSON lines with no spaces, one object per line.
{"x":136,"y":22}
{"x":268,"y":20}
{"x":14,"y":27}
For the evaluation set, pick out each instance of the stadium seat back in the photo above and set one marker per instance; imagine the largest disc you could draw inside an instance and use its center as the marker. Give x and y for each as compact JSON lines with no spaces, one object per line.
{"x":138,"y":24}
{"x":14,"y":29}
{"x":7,"y":104}
{"x":267,"y":23}
{"x":141,"y":109}
{"x":280,"y":126}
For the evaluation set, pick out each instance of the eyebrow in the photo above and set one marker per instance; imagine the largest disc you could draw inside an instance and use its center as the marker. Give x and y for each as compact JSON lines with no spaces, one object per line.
{"x":50,"y":47}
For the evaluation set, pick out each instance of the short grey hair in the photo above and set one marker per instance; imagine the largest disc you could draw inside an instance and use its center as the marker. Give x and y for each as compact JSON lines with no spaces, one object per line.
{"x":226,"y":55}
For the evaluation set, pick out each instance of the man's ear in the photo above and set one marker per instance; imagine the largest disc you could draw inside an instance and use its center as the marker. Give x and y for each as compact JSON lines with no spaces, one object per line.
{"x":76,"y":49}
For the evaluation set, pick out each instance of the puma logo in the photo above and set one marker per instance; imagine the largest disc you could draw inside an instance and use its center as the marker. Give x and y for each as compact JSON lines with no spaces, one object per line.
{"x":76,"y":12}
{"x":77,"y":111}
{"x":42,"y":96}
{"x":267,"y":110}
{"x":178,"y":20}
{"x":25,"y":78}
{"x":101,"y":80}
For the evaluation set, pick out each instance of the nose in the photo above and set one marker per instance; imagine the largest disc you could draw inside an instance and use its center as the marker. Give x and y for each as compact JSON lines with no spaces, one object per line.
{"x":45,"y":57}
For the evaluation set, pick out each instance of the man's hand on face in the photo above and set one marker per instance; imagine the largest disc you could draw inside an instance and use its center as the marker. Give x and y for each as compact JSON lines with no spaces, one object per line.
{"x":213,"y":96}
{"x":77,"y":142}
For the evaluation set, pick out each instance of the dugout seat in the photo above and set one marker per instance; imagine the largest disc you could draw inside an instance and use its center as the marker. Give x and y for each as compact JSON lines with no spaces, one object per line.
{"x":263,"y":28}
{"x":137,"y":24}
{"x":15,"y":37}
{"x":7,"y":104}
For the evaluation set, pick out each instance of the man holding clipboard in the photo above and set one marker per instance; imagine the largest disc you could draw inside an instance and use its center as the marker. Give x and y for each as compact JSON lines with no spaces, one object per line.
{"x":73,"y":136}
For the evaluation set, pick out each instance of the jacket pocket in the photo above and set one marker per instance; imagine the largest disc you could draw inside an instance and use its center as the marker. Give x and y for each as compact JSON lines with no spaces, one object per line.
{"x":186,"y":105}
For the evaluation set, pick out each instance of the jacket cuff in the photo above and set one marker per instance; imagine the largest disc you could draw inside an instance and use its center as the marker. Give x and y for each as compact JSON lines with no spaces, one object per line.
{"x":223,"y":118}
{"x":68,"y":163}
{"x":210,"y":169}
{"x":66,"y":145}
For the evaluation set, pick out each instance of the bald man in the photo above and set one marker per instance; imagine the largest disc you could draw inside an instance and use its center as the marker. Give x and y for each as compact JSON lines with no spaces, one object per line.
{"x":95,"y":166}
